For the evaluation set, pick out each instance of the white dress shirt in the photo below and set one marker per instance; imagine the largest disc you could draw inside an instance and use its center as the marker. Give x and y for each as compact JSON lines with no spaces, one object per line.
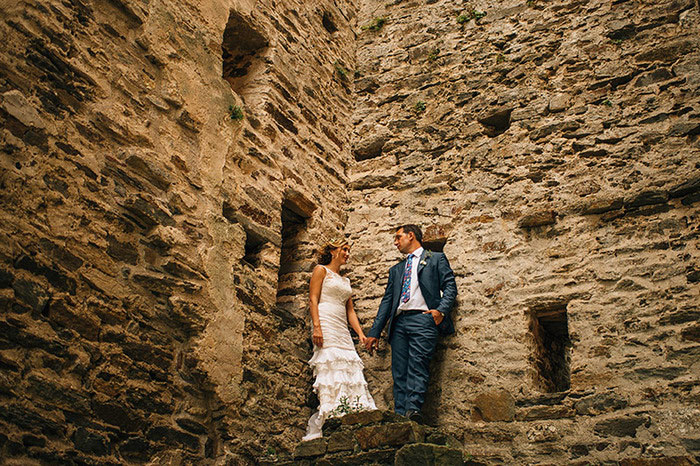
{"x":415,"y":302}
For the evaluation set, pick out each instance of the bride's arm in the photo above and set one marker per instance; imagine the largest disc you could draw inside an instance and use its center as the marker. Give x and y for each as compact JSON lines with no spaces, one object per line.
{"x":317,"y":277}
{"x":354,"y":321}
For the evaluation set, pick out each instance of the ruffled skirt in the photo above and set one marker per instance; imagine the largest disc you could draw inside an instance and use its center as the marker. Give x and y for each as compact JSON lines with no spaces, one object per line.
{"x":340,"y":386}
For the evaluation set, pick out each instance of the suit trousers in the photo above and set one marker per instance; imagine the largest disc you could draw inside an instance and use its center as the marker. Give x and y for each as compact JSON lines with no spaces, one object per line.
{"x":413,"y":341}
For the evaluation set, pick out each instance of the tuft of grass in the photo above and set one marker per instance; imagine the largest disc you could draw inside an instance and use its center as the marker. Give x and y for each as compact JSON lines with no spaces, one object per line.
{"x":346,"y":407}
{"x":340,"y":70}
{"x":472,"y":13}
{"x":419,"y":107}
{"x":375,"y":25}
{"x":235,"y":112}
{"x":616,"y":41}
{"x":434,"y":55}
{"x":607,"y":103}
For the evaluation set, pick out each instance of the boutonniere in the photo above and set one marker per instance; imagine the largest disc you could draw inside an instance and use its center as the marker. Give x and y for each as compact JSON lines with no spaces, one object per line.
{"x":427,"y":256}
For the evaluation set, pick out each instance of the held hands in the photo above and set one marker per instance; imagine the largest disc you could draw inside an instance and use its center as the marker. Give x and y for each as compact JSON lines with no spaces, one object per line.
{"x":437,"y":315}
{"x":317,"y":336}
{"x":371,"y":344}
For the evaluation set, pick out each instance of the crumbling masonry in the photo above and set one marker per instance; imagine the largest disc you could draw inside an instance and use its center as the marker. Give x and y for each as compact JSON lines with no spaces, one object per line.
{"x":167,"y":169}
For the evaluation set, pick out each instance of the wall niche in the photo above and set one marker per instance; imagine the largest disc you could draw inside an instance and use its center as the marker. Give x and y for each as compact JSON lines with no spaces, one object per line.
{"x":549,"y":329}
{"x":243,"y":51}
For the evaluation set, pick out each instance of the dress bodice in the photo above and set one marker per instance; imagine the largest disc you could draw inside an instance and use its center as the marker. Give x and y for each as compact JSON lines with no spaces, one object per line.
{"x":336,"y":289}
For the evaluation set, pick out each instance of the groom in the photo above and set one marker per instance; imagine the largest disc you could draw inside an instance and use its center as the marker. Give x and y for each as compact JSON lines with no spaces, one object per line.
{"x":416,"y":306}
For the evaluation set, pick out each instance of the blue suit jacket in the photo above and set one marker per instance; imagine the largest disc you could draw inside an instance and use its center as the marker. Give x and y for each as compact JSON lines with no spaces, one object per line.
{"x":437,"y":283}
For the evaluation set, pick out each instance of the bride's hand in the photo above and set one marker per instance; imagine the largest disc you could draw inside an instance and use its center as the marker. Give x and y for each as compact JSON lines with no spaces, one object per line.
{"x":362,"y":340}
{"x":317,"y":337}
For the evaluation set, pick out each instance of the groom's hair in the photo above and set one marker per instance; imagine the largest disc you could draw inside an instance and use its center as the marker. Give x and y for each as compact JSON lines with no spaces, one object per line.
{"x":415,"y":229}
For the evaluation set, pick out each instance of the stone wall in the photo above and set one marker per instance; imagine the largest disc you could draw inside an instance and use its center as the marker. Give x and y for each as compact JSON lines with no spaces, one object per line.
{"x":168,"y":169}
{"x":552,"y":148}
{"x":159,"y":161}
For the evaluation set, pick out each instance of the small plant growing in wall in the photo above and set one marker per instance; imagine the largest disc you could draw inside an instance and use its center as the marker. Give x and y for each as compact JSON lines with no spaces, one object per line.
{"x":346,"y":407}
{"x":434,"y":55}
{"x":271,"y":453}
{"x":607,"y":103}
{"x":235,"y":112}
{"x":472,"y":13}
{"x":340,"y":70}
{"x":419,"y":107}
{"x":375,"y":25}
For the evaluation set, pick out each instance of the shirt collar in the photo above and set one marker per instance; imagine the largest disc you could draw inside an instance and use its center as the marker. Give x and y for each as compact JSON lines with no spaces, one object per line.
{"x":417,"y":252}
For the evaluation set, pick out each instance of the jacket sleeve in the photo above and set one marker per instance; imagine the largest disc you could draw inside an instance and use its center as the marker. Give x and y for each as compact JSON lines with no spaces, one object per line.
{"x":384,"y":311}
{"x":448,"y":285}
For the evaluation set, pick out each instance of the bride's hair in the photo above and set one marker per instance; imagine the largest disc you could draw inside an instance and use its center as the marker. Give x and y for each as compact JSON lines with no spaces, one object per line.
{"x":324,"y":255}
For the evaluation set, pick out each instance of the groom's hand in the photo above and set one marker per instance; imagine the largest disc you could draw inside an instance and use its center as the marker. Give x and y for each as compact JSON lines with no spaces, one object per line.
{"x":437,"y":315}
{"x":371,"y":344}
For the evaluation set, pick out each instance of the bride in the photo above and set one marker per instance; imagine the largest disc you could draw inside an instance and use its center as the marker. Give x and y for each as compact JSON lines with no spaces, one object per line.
{"x":335,"y":363}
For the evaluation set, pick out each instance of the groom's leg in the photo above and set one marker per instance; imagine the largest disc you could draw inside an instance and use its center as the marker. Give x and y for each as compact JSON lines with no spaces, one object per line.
{"x":423,"y":335}
{"x":399,"y":363}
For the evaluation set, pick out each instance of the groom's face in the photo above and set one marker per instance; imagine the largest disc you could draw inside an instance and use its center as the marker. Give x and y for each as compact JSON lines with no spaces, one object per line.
{"x":403,"y":241}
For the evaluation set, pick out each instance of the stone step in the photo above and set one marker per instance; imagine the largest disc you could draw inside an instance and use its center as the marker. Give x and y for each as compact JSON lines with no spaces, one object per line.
{"x":378,"y":437}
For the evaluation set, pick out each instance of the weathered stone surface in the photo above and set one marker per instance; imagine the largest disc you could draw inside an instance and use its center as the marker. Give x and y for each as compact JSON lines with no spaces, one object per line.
{"x":164,"y":188}
{"x":427,"y":454}
{"x":341,"y":441}
{"x":311,"y":448}
{"x":600,"y":403}
{"x":666,"y":461}
{"x":545,"y":412}
{"x":497,"y":405}
{"x":370,"y":145}
{"x":363,"y":418}
{"x":621,"y":426}
{"x":538,"y":219}
{"x":16,"y":105}
{"x":602,"y":205}
{"x":691,"y":333}
{"x":389,"y":435}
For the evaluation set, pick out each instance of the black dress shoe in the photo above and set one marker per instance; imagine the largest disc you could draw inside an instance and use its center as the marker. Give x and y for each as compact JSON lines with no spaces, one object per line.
{"x":415,"y":416}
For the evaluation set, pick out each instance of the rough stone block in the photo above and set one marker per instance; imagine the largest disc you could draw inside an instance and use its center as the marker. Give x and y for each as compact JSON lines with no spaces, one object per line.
{"x":315,"y":447}
{"x":545,"y":412}
{"x":427,"y":454}
{"x":376,"y":457}
{"x":17,"y":106}
{"x":600,"y":403}
{"x":91,"y":442}
{"x":496,"y":405}
{"x":602,"y":205}
{"x":691,"y":333}
{"x":622,"y":426}
{"x":665,"y":461}
{"x":538,"y":219}
{"x":687,"y":187}
{"x":173,"y":437}
{"x":146,"y":211}
{"x":389,"y":435}
{"x":341,"y":441}
{"x":365,"y":418}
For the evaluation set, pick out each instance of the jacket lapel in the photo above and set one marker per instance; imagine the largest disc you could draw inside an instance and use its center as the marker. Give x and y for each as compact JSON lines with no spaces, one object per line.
{"x":398,"y":283}
{"x":422,"y":261}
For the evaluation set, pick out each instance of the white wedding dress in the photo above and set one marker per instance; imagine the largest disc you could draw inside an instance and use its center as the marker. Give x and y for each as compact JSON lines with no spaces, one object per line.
{"x":336,"y":365}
